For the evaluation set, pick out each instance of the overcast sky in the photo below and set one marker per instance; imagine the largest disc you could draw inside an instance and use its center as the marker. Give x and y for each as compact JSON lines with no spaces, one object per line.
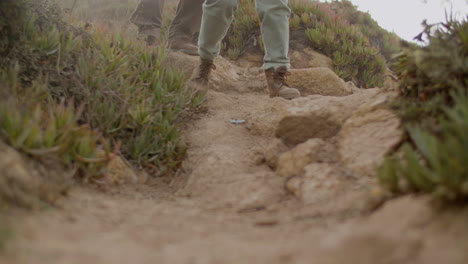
{"x":404,"y":17}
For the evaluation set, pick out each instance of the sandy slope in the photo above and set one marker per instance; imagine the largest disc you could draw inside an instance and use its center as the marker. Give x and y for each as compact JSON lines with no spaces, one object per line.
{"x":230,"y":207}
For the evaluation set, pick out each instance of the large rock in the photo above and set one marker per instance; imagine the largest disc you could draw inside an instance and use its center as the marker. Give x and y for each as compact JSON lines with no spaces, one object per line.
{"x":318,"y":116}
{"x":292,"y":163}
{"x":272,"y":152}
{"x":321,"y":81}
{"x":309,"y":58}
{"x":368,"y":136}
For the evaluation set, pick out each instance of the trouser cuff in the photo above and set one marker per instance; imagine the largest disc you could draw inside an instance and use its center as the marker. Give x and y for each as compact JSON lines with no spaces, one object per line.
{"x":269,"y":65}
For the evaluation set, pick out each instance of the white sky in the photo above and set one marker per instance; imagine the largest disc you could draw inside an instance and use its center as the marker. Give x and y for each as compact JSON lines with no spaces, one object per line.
{"x":404,"y":17}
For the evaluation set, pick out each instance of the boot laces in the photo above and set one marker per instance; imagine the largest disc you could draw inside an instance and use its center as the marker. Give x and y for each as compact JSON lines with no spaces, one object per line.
{"x":205,"y":69}
{"x":280,"y":75}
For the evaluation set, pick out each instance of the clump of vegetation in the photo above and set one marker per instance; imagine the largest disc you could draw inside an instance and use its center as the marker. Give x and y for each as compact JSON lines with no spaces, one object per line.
{"x":388,"y":43}
{"x":82,"y":96}
{"x":245,"y":28}
{"x":89,"y":10}
{"x":353,"y":56}
{"x":352,"y":39}
{"x":434,"y":104}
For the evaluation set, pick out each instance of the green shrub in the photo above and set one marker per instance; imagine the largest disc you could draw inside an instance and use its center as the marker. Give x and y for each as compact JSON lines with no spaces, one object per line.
{"x":355,"y":48}
{"x":120,"y":87}
{"x":434,"y":105}
{"x":354,"y":58}
{"x":102,"y":10}
{"x":429,"y":74}
{"x":388,"y":43}
{"x":435,"y":163}
{"x":244,"y":30}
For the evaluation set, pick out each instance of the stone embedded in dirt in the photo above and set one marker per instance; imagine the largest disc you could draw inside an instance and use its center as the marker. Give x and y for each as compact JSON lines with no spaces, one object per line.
{"x":18,"y":184}
{"x":321,"y":81}
{"x":292,"y":163}
{"x":320,"y":182}
{"x":25,"y":182}
{"x":367,"y":136}
{"x":264,"y":121}
{"x":272,"y":152}
{"x":318,"y":116}
{"x":119,"y":172}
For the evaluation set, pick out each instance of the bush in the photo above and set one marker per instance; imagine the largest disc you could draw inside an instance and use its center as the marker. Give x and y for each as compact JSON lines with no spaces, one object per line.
{"x":386,"y":42}
{"x":429,"y":74}
{"x":354,"y":58}
{"x":434,"y":104}
{"x":93,"y":81}
{"x":434,"y":164}
{"x":350,"y":38}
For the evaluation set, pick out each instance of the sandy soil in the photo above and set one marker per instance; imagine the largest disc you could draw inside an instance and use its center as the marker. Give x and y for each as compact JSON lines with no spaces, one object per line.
{"x":228,"y":206}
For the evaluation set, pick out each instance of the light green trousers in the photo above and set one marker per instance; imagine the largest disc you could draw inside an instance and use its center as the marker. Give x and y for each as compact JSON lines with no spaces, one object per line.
{"x":274,"y":17}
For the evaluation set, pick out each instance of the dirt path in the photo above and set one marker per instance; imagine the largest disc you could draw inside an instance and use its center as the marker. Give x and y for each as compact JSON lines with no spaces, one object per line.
{"x":231,"y":207}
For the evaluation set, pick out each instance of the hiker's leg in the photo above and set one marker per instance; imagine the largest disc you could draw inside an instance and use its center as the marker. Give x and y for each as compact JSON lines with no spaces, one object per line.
{"x":274,"y":16}
{"x":185,"y":24}
{"x":217,"y":17}
{"x":148,"y":17}
{"x":187,"y":20}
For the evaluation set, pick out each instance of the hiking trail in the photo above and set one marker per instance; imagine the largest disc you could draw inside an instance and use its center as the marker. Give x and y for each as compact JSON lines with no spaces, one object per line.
{"x":295,"y":183}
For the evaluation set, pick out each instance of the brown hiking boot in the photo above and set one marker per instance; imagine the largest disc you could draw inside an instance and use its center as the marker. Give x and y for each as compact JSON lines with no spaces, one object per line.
{"x":150,"y":34}
{"x":277,"y":85}
{"x":184,"y":45}
{"x":200,"y":77}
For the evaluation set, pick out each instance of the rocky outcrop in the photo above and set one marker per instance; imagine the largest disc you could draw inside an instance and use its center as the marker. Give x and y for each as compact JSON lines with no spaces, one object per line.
{"x":320,"y":182}
{"x":318,"y":116}
{"x":334,"y":140}
{"x":292,"y":163}
{"x":366,"y":138}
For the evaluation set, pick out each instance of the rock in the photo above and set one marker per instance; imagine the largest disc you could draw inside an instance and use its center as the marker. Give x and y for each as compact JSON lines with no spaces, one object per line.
{"x":293,"y":185}
{"x":18,"y":184}
{"x":228,"y":77}
{"x":264,"y":122}
{"x":272,"y":152}
{"x":321,"y":81}
{"x":309,"y":58}
{"x":119,"y":172}
{"x":320,"y":182}
{"x":318,"y":116}
{"x":368,"y":136}
{"x":25,"y":182}
{"x":292,"y":163}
